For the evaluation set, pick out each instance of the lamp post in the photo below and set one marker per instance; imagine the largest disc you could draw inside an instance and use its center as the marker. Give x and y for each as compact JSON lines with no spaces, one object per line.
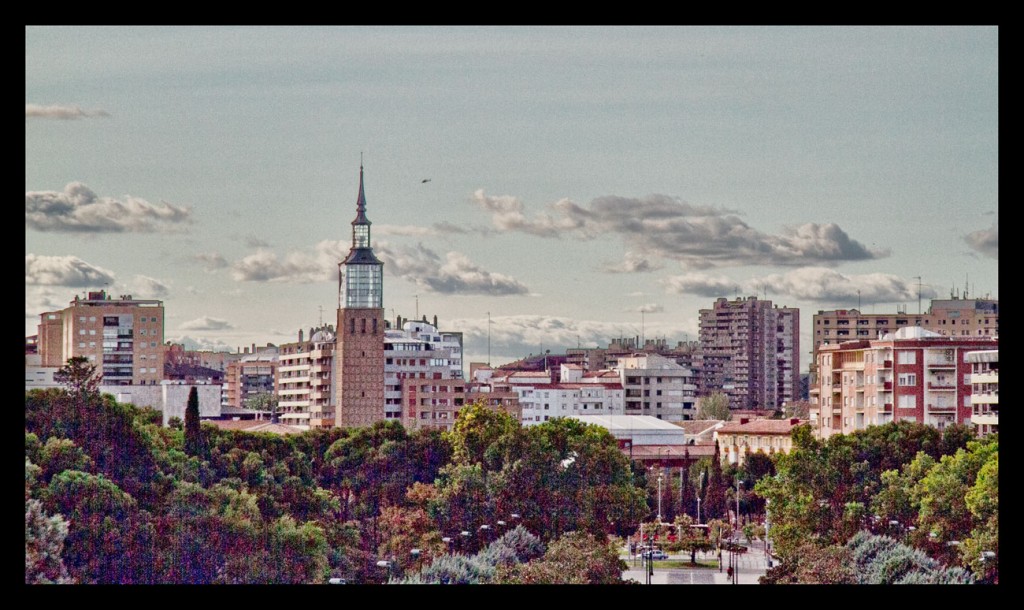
{"x":739,"y":486}
{"x":767,"y":544}
{"x":484,"y":530}
{"x":659,"y":498}
{"x":698,"y":510}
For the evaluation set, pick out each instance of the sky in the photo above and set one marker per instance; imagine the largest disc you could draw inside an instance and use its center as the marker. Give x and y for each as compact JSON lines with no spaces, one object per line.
{"x":536,"y":188}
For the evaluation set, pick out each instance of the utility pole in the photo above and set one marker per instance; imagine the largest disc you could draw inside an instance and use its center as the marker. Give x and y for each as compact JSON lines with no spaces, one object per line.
{"x":488,"y":338}
{"x":918,"y":278}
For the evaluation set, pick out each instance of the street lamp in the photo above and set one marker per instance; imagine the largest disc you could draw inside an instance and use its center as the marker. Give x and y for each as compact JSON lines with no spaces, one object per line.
{"x":698,"y":510}
{"x":659,"y":498}
{"x":739,"y":486}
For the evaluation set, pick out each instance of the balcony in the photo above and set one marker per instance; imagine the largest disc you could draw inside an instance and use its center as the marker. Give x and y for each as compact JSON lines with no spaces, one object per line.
{"x":887,"y":386}
{"x":887,"y":406}
{"x":987,"y":377}
{"x":943,"y":408}
{"x":886,"y":364}
{"x":941,"y":364}
{"x":941,"y":385}
{"x":985,"y":398}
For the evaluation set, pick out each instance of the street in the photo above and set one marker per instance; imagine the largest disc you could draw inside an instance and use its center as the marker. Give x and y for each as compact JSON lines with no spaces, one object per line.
{"x":752,"y":566}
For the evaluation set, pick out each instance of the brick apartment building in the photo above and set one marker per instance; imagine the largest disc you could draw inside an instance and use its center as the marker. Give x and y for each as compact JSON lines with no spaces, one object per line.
{"x":123,"y":337}
{"x":912,"y":374}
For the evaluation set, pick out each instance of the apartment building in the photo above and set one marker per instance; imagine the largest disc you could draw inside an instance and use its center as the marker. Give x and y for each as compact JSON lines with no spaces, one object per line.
{"x":123,"y":337}
{"x":657,"y":386}
{"x":435,"y":403}
{"x":984,"y":390}
{"x":953,"y":317}
{"x":750,"y":351}
{"x":252,"y":375}
{"x":305,"y":383}
{"x":912,"y":374}
{"x":737,"y":440}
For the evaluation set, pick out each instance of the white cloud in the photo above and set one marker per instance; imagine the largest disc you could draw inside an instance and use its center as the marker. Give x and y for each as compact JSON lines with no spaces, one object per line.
{"x":821,"y":285}
{"x":664,"y":227}
{"x":201,"y":344}
{"x":632,"y":263}
{"x":321,"y":265}
{"x":144,"y":287}
{"x":647,"y":308}
{"x":985,"y":241}
{"x":701,"y":284}
{"x":438,"y":228}
{"x":513,"y":337}
{"x":206,"y":323}
{"x":66,"y":113}
{"x":455,"y":274}
{"x":68,"y":271}
{"x":77,"y":209}
{"x":212,"y":261}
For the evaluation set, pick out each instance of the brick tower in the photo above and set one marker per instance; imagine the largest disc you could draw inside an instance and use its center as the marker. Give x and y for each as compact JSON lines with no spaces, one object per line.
{"x":359,"y":353}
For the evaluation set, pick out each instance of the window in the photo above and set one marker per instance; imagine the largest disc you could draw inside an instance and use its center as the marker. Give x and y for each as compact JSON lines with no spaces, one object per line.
{"x":906,"y":357}
{"x":908,"y":401}
{"x":907,"y":379}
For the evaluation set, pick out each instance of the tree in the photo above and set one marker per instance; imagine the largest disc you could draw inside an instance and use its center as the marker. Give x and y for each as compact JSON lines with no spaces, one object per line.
{"x":798,"y":408}
{"x":264,"y":401}
{"x":194,"y":441}
{"x":44,"y":538}
{"x":714,"y":406}
{"x":576,"y":558}
{"x":78,"y":376}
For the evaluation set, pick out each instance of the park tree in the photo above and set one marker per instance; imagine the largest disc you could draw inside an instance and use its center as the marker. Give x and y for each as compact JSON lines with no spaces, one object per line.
{"x":714,"y":406}
{"x":78,"y":376}
{"x":195,"y":443}
{"x":575,"y":558}
{"x":44,"y":538}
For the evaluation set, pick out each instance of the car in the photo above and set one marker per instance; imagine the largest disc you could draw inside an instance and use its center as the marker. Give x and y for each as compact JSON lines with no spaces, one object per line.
{"x":658,"y":554}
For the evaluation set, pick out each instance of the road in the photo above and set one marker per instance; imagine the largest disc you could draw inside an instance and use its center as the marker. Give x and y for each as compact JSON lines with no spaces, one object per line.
{"x":752,"y":566}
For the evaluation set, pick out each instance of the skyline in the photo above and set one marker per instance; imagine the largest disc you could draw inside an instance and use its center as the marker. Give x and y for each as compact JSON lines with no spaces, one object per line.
{"x":571,"y":184}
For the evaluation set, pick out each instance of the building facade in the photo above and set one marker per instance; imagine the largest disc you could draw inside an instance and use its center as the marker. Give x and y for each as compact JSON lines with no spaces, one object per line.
{"x":984,"y":391}
{"x":657,"y":386}
{"x":123,"y":337}
{"x":252,"y":375}
{"x":359,"y":350}
{"x":910,"y":375}
{"x":750,"y":351}
{"x":737,"y":440}
{"x":305,"y":380}
{"x":953,"y":317}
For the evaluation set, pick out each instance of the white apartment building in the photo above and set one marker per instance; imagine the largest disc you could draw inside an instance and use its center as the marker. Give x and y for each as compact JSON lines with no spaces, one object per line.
{"x":984,"y":390}
{"x":657,"y":386}
{"x":305,"y":386}
{"x":417,"y":351}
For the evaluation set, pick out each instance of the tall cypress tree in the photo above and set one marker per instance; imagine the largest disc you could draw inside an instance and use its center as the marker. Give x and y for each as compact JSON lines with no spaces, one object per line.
{"x":714,"y":496}
{"x":193,"y":432}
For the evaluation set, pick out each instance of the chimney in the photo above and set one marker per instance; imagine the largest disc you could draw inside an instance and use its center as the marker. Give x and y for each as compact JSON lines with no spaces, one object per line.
{"x":744,"y":420}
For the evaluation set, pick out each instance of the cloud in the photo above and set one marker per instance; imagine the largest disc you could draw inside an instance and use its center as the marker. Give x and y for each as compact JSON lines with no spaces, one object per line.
{"x":296,"y":267}
{"x":211,"y":261}
{"x":144,"y":287}
{"x":68,"y":271}
{"x":664,"y":227}
{"x":206,"y":323}
{"x":41,"y":300}
{"x":985,"y":241}
{"x":701,"y":284}
{"x":77,"y":209}
{"x":66,"y":113}
{"x":632,"y":263}
{"x":438,"y":228}
{"x":513,"y":337}
{"x":201,"y":344}
{"x":821,"y":285}
{"x":647,"y":308}
{"x":455,"y":274}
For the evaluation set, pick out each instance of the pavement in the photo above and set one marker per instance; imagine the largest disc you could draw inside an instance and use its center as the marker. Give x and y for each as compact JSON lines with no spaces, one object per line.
{"x":752,"y":566}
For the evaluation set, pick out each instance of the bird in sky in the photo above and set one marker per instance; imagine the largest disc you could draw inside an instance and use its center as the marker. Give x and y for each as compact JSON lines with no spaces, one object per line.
{"x":425,"y":180}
